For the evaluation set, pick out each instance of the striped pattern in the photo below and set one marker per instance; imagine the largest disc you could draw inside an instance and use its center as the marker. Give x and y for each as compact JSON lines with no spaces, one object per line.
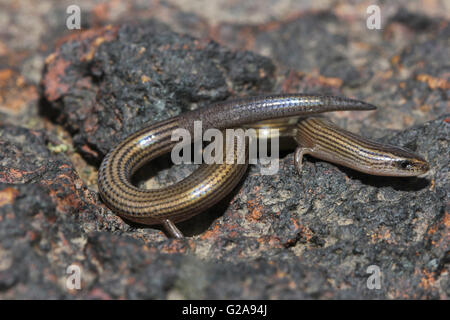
{"x":209,"y":183}
{"x":204,"y":188}
{"x":324,"y":140}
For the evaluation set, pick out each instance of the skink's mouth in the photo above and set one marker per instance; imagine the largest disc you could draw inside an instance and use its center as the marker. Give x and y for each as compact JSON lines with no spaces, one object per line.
{"x":424,"y":175}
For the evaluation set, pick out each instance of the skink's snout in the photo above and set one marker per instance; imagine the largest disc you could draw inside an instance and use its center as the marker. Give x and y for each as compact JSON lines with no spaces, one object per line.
{"x":424,"y":166}
{"x":421,"y":165}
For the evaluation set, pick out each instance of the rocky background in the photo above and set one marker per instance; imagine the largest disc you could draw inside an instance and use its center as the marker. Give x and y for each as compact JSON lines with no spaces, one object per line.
{"x":67,"y":96}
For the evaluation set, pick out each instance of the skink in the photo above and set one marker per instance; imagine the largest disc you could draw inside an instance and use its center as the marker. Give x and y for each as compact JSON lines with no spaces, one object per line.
{"x":210,"y":183}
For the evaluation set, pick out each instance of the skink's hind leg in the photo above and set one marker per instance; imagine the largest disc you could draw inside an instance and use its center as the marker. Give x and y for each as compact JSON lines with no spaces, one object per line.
{"x":172,"y":229}
{"x":298,"y":158}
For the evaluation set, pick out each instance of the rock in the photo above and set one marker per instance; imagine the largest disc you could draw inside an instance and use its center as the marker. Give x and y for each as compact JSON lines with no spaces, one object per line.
{"x":109,"y":83}
{"x":285,"y":236}
{"x":279,"y":237}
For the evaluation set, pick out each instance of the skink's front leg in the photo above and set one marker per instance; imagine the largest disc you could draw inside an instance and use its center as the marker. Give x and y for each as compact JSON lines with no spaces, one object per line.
{"x":298,"y":157}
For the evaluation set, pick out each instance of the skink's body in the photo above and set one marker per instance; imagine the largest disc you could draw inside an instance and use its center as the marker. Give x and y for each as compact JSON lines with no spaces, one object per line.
{"x":210,"y":183}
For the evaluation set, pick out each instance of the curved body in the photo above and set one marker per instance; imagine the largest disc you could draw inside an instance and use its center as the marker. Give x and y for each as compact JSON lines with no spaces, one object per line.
{"x":210,"y":183}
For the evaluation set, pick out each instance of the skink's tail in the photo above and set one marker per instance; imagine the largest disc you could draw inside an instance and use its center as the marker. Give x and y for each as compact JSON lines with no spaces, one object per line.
{"x":335,"y":103}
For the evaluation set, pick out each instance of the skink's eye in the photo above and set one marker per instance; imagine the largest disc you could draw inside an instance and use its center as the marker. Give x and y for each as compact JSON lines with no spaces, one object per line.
{"x":405,"y":164}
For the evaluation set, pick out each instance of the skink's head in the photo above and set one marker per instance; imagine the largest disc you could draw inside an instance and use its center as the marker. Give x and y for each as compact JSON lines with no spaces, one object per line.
{"x":402,"y":162}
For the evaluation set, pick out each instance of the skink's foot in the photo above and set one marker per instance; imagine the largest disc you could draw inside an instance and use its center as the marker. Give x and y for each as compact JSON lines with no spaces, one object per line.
{"x":172,"y":229}
{"x":298,"y":158}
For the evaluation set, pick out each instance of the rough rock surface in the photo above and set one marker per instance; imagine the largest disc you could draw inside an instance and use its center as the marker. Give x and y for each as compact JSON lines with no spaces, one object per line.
{"x":141,"y":75}
{"x":277,"y":237}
